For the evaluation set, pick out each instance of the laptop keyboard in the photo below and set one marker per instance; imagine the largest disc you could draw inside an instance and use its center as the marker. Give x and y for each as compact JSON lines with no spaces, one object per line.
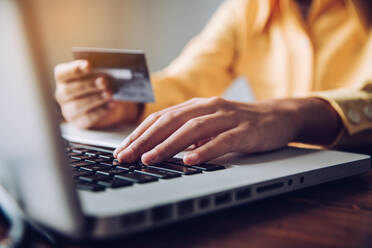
{"x":95,"y":170}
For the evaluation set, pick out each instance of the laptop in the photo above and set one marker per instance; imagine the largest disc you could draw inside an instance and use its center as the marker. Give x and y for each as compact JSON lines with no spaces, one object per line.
{"x":80,"y":191}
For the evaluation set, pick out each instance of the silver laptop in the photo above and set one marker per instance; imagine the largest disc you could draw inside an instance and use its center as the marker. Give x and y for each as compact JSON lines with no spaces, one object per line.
{"x":39,"y":171}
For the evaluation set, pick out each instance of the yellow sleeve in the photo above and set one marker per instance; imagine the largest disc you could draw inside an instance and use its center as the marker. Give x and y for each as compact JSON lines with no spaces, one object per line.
{"x":204,"y":68}
{"x":354,"y":106}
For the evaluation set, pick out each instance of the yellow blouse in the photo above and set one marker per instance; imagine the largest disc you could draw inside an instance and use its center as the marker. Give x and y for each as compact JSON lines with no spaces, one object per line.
{"x":328,"y":55}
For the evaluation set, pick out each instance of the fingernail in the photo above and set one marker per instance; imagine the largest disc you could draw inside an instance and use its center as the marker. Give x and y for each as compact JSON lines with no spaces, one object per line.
{"x":83,"y":65}
{"x":150,"y":157}
{"x":100,"y":83}
{"x":115,"y":152}
{"x":191,"y":158}
{"x":122,"y":146}
{"x":105,"y":95}
{"x":126,"y":155}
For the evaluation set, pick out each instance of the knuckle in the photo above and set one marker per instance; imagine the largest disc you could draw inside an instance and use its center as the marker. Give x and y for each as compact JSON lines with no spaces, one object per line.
{"x":137,"y":145}
{"x":196,"y":123}
{"x":131,"y":138}
{"x":62,"y":90}
{"x":67,"y":113}
{"x":85,"y":85}
{"x":196,"y":99}
{"x":73,"y":107}
{"x":76,"y":69}
{"x":57,"y":70}
{"x":153,"y":116}
{"x":216,"y":100}
{"x":230,"y":136}
{"x":168,"y":117}
{"x":232,"y":139}
{"x":63,"y":69}
{"x":58,"y":95}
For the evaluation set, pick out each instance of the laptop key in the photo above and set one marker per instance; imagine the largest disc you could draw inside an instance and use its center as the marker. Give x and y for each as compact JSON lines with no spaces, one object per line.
{"x":80,"y":157}
{"x":89,"y":186}
{"x":97,"y":160}
{"x":81,"y":173}
{"x":91,"y":154}
{"x":79,"y":150}
{"x":71,"y":154}
{"x":111,"y":171}
{"x":112,"y":182}
{"x":76,"y":151}
{"x":208,"y":167}
{"x":127,"y":166}
{"x":105,"y":155}
{"x":93,"y":167}
{"x":204,"y":167}
{"x":136,"y":177}
{"x":79,"y":164}
{"x":72,"y":160}
{"x":88,"y":178}
{"x":103,"y":160}
{"x":178,"y":161}
{"x":163,"y":174}
{"x":107,"y":163}
{"x":131,"y":167}
{"x":176,"y":168}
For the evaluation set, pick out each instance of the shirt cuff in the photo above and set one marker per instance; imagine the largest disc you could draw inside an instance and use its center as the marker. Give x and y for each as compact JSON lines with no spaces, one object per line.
{"x":354,"y":106}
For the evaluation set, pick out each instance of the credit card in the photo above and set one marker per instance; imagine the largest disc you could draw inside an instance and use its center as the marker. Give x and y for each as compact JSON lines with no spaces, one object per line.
{"x":126,"y":68}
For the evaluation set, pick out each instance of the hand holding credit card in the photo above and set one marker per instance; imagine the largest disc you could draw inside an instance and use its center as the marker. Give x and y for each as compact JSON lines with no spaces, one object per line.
{"x":127,"y":70}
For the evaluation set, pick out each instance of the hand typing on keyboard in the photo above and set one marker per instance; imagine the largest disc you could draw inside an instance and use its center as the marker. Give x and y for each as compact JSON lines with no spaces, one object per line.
{"x":216,"y":126}
{"x":97,"y":170}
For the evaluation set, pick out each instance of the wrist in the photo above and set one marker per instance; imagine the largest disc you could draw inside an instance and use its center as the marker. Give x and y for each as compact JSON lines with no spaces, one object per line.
{"x":131,"y":112}
{"x":318,"y":123}
{"x":292,"y":110}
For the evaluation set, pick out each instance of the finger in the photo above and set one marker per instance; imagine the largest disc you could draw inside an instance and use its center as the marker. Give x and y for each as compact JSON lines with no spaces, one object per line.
{"x":148,"y":122}
{"x":194,"y":130}
{"x":199,"y":143}
{"x":202,"y":142}
{"x":74,"y":109}
{"x":90,"y":119}
{"x":160,"y":130}
{"x":222,"y":144}
{"x":80,"y":88}
{"x":71,"y":70}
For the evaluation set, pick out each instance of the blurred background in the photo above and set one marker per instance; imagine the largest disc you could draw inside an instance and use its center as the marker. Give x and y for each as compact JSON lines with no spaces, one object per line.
{"x":159,"y":27}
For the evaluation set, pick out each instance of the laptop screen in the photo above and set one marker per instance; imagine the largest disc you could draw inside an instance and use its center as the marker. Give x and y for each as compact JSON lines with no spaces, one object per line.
{"x":31,"y":156}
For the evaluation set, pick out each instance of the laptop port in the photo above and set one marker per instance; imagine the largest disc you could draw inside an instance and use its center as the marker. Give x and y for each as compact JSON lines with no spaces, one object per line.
{"x":302,"y":179}
{"x":222,"y":199}
{"x":270,"y":187}
{"x":162,"y":213}
{"x":204,"y":203}
{"x":290,"y":182}
{"x":134,"y":219}
{"x":243,"y":194}
{"x":185,"y":207}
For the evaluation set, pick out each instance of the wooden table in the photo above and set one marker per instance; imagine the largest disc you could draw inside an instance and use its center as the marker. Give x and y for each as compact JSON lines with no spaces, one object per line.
{"x":336,"y":214}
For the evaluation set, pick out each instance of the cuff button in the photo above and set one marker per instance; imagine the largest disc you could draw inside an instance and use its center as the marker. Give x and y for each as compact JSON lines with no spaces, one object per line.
{"x":353,"y":116}
{"x":368,"y":111}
